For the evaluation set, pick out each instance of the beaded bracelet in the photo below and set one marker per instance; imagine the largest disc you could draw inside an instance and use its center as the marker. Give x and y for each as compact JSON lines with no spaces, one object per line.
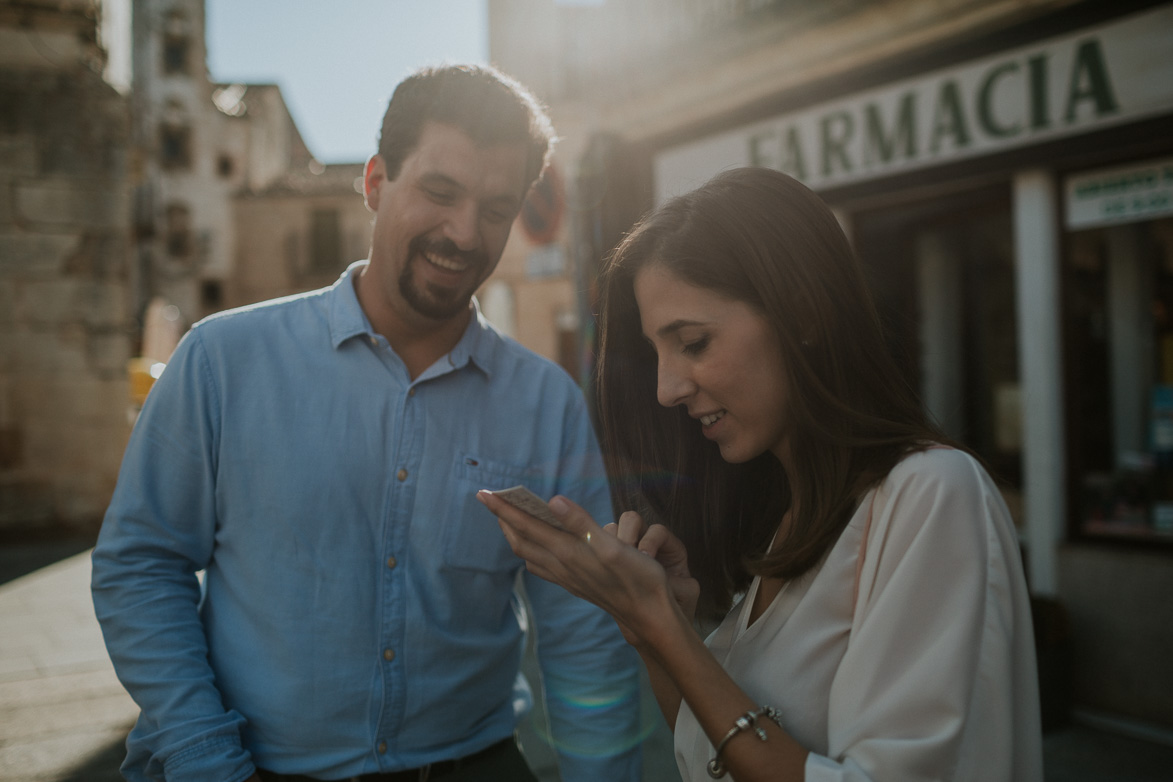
{"x":744,"y":722}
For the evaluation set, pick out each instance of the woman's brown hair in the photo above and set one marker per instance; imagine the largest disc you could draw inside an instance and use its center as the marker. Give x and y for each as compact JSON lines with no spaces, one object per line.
{"x":760,"y":237}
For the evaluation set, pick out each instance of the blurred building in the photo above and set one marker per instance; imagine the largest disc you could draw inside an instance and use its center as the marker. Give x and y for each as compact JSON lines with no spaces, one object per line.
{"x":1005,"y":171}
{"x":231,"y":207}
{"x":136,"y":197}
{"x":65,"y":316}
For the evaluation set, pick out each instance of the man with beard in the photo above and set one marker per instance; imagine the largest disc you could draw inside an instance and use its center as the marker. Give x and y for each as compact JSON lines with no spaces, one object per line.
{"x":318,"y":457}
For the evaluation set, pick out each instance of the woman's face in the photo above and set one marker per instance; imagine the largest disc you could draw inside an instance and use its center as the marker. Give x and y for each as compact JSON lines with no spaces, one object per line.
{"x":719,"y":358}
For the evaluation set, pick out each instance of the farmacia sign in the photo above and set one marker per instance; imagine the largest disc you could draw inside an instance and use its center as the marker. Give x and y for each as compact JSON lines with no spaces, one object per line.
{"x":1115,"y":73}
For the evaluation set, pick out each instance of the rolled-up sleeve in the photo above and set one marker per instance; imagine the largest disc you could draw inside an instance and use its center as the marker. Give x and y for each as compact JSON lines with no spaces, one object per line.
{"x":157,"y":534}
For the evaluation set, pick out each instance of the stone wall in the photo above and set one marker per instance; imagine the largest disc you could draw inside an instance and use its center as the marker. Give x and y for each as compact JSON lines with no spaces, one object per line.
{"x":65,"y":321}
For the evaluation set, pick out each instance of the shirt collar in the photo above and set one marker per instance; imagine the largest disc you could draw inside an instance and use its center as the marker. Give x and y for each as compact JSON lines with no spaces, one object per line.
{"x":347,"y":320}
{"x":346,"y":316}
{"x":476,"y":344}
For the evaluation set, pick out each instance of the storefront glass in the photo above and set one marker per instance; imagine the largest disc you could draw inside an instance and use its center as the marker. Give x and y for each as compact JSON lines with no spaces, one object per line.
{"x":943,"y":275}
{"x":1118,"y":299}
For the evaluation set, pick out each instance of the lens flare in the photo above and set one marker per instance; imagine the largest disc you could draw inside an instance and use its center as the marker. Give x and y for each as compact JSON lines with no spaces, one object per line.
{"x":582,"y":704}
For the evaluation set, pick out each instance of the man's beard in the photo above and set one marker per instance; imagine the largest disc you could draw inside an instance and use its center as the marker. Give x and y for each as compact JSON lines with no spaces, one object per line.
{"x":435,"y":301}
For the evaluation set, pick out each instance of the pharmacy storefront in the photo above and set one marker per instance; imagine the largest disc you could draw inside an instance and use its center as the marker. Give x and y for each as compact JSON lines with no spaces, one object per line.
{"x":1015,"y":214}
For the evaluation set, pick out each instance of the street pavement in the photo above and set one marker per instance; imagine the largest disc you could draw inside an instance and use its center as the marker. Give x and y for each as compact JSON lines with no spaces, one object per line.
{"x":64,"y":716}
{"x":61,"y":707}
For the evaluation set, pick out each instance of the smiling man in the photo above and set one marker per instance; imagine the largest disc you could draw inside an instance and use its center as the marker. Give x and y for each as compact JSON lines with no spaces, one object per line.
{"x":318,"y":458}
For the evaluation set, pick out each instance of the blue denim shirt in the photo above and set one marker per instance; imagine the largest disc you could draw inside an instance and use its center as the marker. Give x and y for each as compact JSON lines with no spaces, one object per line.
{"x":358,"y":610}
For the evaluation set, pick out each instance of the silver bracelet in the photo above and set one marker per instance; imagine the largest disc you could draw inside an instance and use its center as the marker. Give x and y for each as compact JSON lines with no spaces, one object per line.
{"x":746,"y":721}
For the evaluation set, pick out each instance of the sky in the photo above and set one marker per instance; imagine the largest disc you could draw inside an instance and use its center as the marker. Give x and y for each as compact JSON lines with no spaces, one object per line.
{"x":337,"y":61}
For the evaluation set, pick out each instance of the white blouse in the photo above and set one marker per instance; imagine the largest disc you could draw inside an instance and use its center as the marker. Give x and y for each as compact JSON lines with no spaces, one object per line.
{"x":928,"y":673}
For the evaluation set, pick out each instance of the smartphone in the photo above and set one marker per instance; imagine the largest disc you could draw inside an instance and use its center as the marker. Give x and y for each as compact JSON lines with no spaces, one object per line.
{"x":523,"y":499}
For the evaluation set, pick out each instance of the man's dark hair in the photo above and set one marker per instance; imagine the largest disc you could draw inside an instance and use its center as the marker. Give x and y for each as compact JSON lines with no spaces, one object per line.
{"x":479,"y":100}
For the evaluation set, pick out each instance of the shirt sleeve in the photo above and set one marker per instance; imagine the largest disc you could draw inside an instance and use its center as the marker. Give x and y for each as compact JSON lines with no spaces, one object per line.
{"x":590,"y":675}
{"x":157,"y":533}
{"x":931,"y":629}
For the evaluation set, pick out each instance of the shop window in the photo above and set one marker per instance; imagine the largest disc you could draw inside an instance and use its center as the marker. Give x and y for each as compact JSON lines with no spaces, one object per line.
{"x":943,"y":276}
{"x":212,"y":295}
{"x":176,"y":43}
{"x":174,"y":147}
{"x":179,"y":235}
{"x":1118,"y":283}
{"x":175,"y":55}
{"x":325,"y":240}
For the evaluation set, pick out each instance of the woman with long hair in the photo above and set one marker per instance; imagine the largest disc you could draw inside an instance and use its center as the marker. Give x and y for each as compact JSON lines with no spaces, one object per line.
{"x":776,"y":467}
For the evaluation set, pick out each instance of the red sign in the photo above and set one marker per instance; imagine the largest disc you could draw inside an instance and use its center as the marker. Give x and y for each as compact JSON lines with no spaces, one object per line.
{"x":541,"y":214}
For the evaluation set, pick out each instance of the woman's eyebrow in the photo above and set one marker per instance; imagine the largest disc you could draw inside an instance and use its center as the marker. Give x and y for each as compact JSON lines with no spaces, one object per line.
{"x":677,"y":325}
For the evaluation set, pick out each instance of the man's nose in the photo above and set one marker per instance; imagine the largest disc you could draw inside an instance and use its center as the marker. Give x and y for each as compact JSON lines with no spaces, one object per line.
{"x":463,"y":227}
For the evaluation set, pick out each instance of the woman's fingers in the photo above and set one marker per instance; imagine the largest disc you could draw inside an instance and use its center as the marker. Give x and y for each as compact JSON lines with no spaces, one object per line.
{"x":573,"y":517}
{"x":666,"y":548}
{"x":630,"y":528}
{"x":605,"y":569}
{"x":529,"y":537}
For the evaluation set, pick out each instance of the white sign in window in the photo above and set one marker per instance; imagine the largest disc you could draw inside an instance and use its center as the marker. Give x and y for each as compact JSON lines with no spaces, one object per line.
{"x":1124,"y":194}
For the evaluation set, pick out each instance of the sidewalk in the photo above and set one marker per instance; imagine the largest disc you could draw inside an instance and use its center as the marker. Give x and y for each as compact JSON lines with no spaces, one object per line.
{"x":63,"y":714}
{"x":61,"y":706}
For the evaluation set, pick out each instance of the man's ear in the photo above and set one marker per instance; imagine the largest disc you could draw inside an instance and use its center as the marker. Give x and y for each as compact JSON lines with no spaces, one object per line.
{"x":374,"y":174}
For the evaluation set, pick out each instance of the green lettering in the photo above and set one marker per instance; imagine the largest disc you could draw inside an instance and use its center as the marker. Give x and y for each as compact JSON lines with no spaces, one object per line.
{"x":1040,"y":117}
{"x":837,"y":129}
{"x":793,"y":160}
{"x":757,"y":155}
{"x":985,"y":110}
{"x":1089,"y":81}
{"x":949,"y":119}
{"x":880,"y":147}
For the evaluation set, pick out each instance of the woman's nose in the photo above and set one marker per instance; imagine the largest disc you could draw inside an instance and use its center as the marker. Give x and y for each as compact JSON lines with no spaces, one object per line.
{"x":672,"y":386}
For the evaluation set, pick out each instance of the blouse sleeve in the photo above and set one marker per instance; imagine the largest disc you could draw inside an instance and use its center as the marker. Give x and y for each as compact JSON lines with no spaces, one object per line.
{"x":928,"y":674}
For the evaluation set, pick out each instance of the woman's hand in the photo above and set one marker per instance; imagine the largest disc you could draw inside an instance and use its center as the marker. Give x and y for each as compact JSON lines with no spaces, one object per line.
{"x":641,"y":588}
{"x":667,"y":549}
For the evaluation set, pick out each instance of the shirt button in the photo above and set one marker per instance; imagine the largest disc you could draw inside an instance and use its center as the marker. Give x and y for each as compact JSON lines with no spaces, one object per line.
{"x":402,"y":474}
{"x":391,"y":563}
{"x":411,"y":392}
{"x":382,"y":747}
{"x":374,"y":341}
{"x":388,"y":654}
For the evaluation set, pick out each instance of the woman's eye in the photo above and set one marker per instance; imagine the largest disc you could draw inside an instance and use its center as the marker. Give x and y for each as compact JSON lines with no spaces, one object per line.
{"x":697,"y":347}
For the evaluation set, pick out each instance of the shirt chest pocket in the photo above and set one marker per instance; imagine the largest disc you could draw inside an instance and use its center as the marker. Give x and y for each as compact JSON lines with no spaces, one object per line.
{"x":473,"y":540}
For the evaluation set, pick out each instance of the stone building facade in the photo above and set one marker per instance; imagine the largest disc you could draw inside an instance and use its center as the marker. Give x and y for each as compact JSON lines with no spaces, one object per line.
{"x":66,"y":324}
{"x":297,"y":233}
{"x":135,"y":193}
{"x":206,"y":148}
